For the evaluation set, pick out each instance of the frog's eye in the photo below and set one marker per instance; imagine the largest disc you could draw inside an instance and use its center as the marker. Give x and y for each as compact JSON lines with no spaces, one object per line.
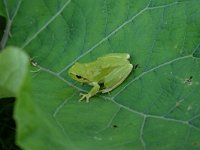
{"x":79,"y":77}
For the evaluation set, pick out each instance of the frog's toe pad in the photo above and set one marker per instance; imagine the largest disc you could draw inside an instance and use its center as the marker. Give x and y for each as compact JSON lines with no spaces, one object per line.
{"x":85,"y":96}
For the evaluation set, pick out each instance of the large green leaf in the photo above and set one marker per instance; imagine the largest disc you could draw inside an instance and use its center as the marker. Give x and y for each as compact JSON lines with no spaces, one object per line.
{"x":157,"y":107}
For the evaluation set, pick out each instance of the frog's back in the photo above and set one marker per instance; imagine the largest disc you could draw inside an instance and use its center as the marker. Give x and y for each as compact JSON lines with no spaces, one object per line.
{"x":113,"y":59}
{"x":116,"y":55}
{"x":106,"y":64}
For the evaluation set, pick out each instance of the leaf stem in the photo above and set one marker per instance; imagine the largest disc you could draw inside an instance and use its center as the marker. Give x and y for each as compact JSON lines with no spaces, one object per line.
{"x":6,"y":34}
{"x":8,"y":24}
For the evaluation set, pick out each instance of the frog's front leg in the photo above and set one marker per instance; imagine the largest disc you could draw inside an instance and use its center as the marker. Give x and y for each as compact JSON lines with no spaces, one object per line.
{"x":91,"y":93}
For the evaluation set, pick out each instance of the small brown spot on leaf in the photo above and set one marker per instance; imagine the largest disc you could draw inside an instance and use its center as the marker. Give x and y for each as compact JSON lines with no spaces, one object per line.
{"x":136,"y":66}
{"x":178,"y":103}
{"x":189,"y":80}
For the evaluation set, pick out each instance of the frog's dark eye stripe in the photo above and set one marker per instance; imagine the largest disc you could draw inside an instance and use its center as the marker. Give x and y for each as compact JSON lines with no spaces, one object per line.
{"x":79,"y":77}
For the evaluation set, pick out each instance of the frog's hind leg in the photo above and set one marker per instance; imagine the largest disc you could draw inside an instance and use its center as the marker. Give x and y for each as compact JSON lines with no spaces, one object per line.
{"x":115,"y":78}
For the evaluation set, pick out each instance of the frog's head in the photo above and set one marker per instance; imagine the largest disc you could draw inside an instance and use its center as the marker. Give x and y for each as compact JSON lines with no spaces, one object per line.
{"x":78,"y":73}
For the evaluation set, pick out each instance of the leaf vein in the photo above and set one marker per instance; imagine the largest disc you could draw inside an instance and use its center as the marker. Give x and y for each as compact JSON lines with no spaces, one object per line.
{"x":111,"y":120}
{"x":45,"y":25}
{"x":151,"y":70}
{"x":141,"y":133}
{"x":104,"y":39}
{"x":113,"y":32}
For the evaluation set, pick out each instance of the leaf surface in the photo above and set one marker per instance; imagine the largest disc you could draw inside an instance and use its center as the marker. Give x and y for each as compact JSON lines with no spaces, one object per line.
{"x":157,"y":107}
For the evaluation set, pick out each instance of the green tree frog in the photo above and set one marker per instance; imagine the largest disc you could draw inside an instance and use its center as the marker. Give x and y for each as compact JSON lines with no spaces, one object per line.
{"x":104,"y":74}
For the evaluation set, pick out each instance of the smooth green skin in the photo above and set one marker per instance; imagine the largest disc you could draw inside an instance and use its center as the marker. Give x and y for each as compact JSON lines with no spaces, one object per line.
{"x":104,"y":74}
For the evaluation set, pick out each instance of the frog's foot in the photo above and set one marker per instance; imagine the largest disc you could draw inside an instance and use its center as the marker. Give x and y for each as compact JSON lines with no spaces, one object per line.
{"x":85,"y":96}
